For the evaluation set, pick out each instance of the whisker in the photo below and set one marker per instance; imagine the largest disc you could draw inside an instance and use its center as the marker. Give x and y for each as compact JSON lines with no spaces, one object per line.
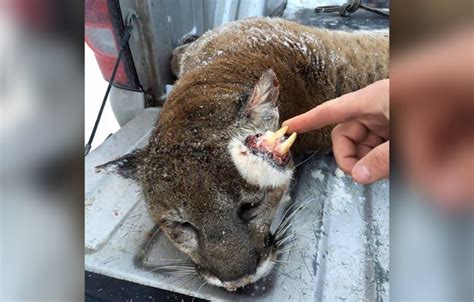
{"x":296,"y":211}
{"x":180,"y":273}
{"x":284,"y":239}
{"x":306,"y":265}
{"x":288,"y":262}
{"x":303,"y":226}
{"x":151,"y":238}
{"x":288,"y":240}
{"x":290,"y":221}
{"x":289,"y":209}
{"x":279,"y":268}
{"x":283,"y":251}
{"x":182,"y":277}
{"x":202,"y":285}
{"x":295,"y":237}
{"x":296,"y":220}
{"x":285,"y":242}
{"x":283,"y":231}
{"x":178,"y":269}
{"x":309,"y":157}
{"x":174,"y":267}
{"x":191,"y":279}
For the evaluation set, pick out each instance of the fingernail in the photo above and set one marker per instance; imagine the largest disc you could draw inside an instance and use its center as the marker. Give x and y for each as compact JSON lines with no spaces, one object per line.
{"x":361,"y":174}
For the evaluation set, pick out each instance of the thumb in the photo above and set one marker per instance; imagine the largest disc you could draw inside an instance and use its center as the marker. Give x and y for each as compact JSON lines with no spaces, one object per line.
{"x":373,"y":166}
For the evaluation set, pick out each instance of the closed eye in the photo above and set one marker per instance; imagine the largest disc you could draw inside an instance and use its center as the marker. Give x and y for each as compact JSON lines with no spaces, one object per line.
{"x":250,"y":210}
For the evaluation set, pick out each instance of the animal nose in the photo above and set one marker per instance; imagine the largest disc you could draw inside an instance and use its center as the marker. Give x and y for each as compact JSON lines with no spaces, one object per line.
{"x":230,"y":288}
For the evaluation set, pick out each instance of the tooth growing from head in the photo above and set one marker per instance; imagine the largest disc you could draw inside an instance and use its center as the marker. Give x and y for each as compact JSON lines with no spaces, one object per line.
{"x":275,"y":137}
{"x":284,"y":147}
{"x":273,"y":141}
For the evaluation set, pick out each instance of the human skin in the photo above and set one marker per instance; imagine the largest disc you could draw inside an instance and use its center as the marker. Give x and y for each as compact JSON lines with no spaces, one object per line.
{"x":361,"y":135}
{"x":432,"y":101}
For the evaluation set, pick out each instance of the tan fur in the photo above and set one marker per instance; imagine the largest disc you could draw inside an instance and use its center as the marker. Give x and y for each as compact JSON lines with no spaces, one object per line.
{"x":187,"y":173}
{"x":335,"y":63}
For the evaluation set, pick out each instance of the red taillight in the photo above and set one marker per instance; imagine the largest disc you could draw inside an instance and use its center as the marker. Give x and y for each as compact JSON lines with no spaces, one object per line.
{"x":103,"y":33}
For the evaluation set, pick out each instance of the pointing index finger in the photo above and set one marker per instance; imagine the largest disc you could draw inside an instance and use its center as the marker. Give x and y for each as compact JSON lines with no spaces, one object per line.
{"x":342,"y":109}
{"x":339,"y":110}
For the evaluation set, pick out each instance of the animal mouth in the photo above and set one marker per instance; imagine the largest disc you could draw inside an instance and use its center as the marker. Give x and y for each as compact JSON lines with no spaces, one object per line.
{"x":263,"y":269}
{"x":272,"y":146}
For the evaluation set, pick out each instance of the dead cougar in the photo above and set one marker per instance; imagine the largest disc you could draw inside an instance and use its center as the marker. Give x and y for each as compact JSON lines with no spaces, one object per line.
{"x":216,"y":168}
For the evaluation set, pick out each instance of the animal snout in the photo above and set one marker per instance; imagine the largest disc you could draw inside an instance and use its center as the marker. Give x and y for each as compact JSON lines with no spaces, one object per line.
{"x":236,"y":268}
{"x":239,"y":273}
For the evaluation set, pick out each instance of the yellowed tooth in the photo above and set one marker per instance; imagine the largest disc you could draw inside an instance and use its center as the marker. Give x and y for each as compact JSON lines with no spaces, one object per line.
{"x":269,"y":138}
{"x":272,"y":138}
{"x":286,"y":145}
{"x":280,"y":132}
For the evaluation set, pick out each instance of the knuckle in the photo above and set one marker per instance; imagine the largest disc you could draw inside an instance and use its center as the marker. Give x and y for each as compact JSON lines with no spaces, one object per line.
{"x":336,"y":131}
{"x":380,"y":158}
{"x":344,"y":166}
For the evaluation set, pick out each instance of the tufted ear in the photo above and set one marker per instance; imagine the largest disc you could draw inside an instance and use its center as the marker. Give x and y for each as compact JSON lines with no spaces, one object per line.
{"x":261,"y":107}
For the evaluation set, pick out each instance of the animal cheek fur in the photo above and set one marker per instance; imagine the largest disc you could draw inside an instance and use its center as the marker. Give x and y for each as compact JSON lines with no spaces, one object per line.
{"x":256,"y":170}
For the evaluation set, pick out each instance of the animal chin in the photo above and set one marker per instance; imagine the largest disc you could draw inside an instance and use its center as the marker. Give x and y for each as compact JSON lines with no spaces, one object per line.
{"x":262,"y":159}
{"x":262,"y":271}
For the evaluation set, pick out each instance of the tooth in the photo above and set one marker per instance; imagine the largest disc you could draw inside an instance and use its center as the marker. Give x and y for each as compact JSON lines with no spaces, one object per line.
{"x":282,"y":131}
{"x":269,"y":133}
{"x":286,"y":145}
{"x":272,"y":138}
{"x":268,"y":138}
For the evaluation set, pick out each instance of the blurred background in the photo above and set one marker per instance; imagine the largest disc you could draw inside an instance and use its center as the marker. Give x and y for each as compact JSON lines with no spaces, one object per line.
{"x":432,"y":150}
{"x":42,"y":93}
{"x":41,"y":162}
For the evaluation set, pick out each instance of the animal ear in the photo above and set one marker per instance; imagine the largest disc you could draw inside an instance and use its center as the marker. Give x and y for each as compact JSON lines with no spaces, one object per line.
{"x":125,"y":166}
{"x":261,"y":106}
{"x":183,"y":235}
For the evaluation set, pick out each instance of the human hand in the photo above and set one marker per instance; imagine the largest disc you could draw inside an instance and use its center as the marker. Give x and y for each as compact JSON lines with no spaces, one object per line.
{"x":360,"y":139}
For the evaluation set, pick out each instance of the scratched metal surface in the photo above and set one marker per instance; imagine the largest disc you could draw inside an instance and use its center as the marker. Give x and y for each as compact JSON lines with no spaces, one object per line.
{"x":339,"y":252}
